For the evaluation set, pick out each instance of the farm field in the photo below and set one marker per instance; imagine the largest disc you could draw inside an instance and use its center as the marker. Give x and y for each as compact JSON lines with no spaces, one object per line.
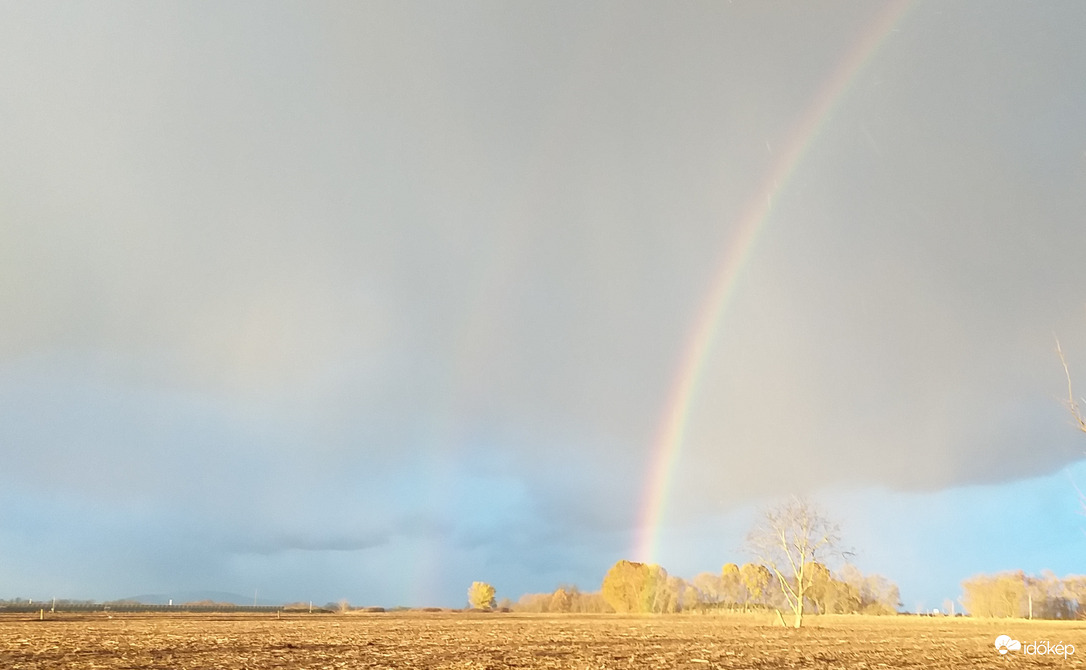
{"x":477,"y":640}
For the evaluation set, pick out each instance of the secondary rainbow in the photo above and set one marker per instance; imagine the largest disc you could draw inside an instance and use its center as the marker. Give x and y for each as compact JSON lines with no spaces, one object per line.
{"x":669,"y":440}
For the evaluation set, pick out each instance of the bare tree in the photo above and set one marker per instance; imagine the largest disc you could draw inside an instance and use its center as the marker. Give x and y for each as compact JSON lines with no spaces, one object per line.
{"x":1076,"y":411}
{"x":790,"y":539}
{"x":1072,"y":404}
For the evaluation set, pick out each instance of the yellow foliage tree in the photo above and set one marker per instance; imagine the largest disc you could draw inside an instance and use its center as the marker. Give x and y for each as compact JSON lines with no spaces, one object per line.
{"x":636,"y":587}
{"x":1002,"y":595}
{"x":731,"y":583}
{"x":481,"y":596}
{"x":820,"y":587}
{"x":756,"y":579}
{"x":561,"y":601}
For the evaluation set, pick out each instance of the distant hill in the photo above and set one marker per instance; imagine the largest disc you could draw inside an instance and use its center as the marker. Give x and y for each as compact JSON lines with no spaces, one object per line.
{"x":182,"y":597}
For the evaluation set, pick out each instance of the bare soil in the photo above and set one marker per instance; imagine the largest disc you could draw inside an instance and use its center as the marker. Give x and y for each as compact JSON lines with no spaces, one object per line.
{"x":477,"y":640}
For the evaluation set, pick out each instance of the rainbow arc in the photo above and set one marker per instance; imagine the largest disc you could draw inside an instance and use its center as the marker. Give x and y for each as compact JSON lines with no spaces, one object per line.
{"x":667,"y":446}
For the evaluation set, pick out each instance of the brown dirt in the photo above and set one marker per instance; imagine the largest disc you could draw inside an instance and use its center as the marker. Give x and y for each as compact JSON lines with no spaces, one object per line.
{"x":493,"y":641}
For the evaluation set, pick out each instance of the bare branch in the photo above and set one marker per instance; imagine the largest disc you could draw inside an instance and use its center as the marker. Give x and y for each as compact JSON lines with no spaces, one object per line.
{"x":1076,"y":412}
{"x":790,"y":539}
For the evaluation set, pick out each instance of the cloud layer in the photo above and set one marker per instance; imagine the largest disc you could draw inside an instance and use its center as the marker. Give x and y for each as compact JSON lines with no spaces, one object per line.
{"x":344,"y":285}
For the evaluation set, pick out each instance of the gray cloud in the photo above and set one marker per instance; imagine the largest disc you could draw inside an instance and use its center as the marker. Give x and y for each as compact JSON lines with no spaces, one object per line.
{"x":376,"y":278}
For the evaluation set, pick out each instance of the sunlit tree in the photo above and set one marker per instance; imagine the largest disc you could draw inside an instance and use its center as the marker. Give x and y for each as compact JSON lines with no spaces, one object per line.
{"x":561,"y":601}
{"x":879,"y":596}
{"x":732,"y":590}
{"x":756,"y":581}
{"x":709,"y":586}
{"x":1052,"y":597}
{"x":788,"y":539}
{"x":1074,"y":590}
{"x":691,"y":597}
{"x":669,"y":594}
{"x":1016,"y":594}
{"x":564,"y":599}
{"x":821,"y":587}
{"x":624,"y":586}
{"x":1002,"y":595}
{"x":481,"y":596}
{"x":636,"y":587}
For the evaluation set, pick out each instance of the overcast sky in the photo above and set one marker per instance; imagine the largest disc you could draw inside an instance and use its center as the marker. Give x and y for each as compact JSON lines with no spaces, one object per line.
{"x":372,"y":300}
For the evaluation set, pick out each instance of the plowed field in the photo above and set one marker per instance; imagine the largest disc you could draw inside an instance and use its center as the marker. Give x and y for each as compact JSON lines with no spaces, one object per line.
{"x":455,"y":640}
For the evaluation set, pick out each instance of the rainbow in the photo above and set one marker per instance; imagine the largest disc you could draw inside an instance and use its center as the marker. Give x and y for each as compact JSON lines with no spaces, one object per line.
{"x":669,"y":440}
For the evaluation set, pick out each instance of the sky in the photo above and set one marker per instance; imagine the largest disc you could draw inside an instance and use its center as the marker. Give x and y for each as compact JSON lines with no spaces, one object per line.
{"x":369,"y":301}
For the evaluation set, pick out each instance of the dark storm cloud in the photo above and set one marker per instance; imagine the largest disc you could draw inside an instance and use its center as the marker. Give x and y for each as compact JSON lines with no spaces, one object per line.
{"x":369,"y":279}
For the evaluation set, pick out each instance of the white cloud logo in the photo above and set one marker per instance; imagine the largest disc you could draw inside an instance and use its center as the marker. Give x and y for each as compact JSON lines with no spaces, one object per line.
{"x":1005,"y":643}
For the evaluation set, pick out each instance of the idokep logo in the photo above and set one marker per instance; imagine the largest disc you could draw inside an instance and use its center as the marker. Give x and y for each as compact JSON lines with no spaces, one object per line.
{"x":1005,"y":643}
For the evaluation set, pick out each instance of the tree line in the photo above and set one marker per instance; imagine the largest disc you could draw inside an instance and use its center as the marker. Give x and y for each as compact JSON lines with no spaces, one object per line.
{"x":792,"y":542}
{"x":631,"y":587}
{"x":1017,"y":594}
